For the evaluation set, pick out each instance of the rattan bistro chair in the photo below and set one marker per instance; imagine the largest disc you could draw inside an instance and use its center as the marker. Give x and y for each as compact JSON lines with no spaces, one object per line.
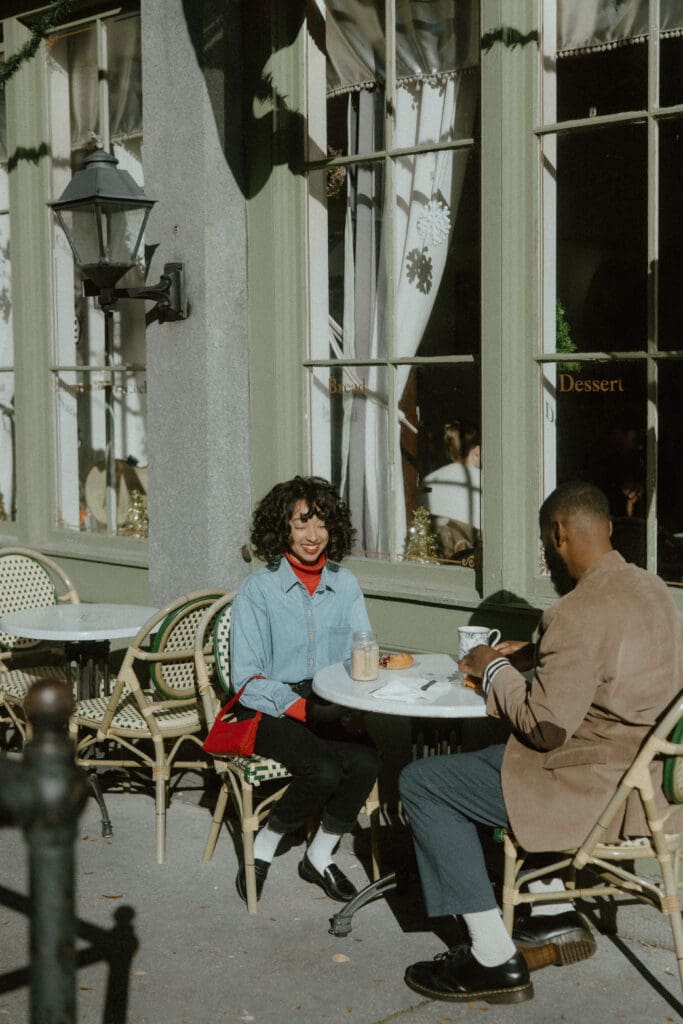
{"x":28,"y":579}
{"x":145,"y":728}
{"x":243,"y":777}
{"x":611,"y":868}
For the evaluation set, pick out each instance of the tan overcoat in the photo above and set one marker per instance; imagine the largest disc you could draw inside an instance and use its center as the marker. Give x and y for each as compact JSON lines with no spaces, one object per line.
{"x":608,"y":663}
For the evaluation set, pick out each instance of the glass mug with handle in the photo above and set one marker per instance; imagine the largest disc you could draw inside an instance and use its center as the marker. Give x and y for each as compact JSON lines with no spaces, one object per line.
{"x":472,"y":636}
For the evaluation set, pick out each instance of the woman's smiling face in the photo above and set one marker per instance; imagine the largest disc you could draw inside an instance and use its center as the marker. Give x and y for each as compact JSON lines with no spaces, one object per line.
{"x":308,"y":537}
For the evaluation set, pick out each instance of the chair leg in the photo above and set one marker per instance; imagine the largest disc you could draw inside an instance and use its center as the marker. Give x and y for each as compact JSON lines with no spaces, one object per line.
{"x":218,"y":815}
{"x":510,"y":870}
{"x":161,"y":780}
{"x":249,"y":827}
{"x":373,"y":808}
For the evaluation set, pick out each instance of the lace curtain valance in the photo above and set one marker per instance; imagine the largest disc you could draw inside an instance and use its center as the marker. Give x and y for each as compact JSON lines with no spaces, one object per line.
{"x":593,"y":25}
{"x":434,"y":41}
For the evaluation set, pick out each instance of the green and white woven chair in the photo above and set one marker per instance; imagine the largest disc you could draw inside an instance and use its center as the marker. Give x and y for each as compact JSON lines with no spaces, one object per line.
{"x":28,"y":579}
{"x":613,"y":865}
{"x":145,"y":728}
{"x":243,"y":776}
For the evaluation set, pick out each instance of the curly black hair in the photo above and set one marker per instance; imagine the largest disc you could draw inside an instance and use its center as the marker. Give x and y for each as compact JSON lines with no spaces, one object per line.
{"x":270,"y":529}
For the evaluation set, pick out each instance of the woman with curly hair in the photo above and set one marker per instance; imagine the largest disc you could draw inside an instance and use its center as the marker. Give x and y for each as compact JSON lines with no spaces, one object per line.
{"x":289,"y":619}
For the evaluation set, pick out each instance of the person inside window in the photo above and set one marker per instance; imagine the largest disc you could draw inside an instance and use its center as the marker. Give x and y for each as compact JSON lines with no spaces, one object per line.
{"x":289,"y":619}
{"x":453,"y":492}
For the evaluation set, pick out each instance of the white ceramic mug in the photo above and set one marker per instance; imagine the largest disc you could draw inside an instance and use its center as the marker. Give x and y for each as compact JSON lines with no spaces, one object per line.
{"x":472,"y":636}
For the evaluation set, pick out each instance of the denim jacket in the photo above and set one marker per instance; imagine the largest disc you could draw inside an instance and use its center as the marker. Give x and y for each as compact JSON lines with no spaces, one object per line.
{"x":281,"y":633}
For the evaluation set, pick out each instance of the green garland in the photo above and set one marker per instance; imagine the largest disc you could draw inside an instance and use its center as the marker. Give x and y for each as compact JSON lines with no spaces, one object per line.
{"x":48,"y":21}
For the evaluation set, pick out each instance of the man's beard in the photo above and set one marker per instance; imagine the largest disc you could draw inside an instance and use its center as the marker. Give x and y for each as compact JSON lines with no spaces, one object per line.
{"x":559,"y":573}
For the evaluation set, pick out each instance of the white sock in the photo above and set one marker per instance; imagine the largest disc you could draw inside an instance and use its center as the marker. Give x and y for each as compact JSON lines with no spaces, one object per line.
{"x":321,"y":849}
{"x":547,"y":909}
{"x":266,"y":843}
{"x":491,"y":944}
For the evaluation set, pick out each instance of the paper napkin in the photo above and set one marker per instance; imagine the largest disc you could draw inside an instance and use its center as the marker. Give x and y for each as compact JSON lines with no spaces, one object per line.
{"x":409,"y":689}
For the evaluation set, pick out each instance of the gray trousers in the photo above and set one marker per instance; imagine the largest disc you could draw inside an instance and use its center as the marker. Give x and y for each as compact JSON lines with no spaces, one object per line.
{"x":445,"y":798}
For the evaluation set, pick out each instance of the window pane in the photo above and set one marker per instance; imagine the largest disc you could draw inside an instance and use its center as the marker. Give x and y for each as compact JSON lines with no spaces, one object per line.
{"x":669,"y":477}
{"x":349,"y":442}
{"x":602,"y":239}
{"x":600,"y":52}
{"x":671,"y":71}
{"x":671,"y":235}
{"x":595,"y":429}
{"x":355,"y":36}
{"x":446,"y":452}
{"x":437,"y":60}
{"x":85,"y":403}
{"x":437,"y":254}
{"x":345,"y":225}
{"x":125,"y":77}
{"x":606,"y":82}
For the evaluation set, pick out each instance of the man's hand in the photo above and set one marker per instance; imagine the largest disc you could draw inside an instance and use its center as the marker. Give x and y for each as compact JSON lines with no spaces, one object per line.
{"x":476,"y":660}
{"x":520,"y":653}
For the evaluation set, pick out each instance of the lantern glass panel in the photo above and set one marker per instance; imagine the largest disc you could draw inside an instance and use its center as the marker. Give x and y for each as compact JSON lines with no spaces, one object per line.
{"x":121,"y":232}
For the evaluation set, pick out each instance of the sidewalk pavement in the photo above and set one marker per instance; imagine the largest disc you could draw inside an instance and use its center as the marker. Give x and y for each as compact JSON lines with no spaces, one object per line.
{"x":174,"y":944}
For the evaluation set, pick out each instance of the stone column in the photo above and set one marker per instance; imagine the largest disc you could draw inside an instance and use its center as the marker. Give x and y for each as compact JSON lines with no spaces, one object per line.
{"x":198,"y":386}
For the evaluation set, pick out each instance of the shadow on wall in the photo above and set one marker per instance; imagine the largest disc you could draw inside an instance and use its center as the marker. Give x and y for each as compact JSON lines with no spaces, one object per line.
{"x":238,"y":84}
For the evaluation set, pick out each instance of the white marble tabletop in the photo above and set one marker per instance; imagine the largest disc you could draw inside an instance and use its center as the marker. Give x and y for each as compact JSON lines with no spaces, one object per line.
{"x":446,"y":698}
{"x":78,"y":623}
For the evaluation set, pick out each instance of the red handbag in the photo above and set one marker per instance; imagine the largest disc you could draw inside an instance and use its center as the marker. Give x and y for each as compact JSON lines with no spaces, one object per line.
{"x":232,"y":737}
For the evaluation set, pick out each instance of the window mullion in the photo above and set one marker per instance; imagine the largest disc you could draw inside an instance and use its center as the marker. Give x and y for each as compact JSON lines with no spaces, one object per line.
{"x":393,"y":429}
{"x":103,"y":84}
{"x":652,"y":374}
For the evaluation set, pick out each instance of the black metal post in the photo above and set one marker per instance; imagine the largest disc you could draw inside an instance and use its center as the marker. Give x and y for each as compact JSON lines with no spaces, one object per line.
{"x":45,"y":794}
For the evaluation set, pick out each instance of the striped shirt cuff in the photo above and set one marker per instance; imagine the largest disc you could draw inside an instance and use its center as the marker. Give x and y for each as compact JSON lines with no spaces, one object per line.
{"x":490,"y":671}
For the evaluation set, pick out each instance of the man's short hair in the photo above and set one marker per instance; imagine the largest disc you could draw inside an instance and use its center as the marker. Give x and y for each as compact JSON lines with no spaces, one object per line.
{"x":572,"y":497}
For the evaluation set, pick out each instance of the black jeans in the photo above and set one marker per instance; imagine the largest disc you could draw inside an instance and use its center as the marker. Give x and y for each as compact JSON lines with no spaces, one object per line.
{"x":330,"y":772}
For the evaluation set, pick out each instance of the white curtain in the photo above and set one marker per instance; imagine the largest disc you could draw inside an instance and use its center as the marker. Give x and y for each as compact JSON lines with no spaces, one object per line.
{"x":436,"y":99}
{"x":123,"y":76}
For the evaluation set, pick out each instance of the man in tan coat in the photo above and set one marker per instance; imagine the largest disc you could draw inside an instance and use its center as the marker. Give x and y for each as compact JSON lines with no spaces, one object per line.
{"x":607,"y":663}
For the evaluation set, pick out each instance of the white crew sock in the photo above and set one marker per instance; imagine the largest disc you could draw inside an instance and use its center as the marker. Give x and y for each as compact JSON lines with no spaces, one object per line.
{"x":548,"y":909}
{"x":266,"y":843}
{"x":491,"y":944}
{"x":321,"y":849}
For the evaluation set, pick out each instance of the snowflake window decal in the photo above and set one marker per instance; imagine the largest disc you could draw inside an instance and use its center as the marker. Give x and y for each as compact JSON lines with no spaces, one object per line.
{"x":435,"y":223}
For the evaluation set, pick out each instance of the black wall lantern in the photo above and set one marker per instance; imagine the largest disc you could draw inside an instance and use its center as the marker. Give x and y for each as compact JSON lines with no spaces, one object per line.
{"x":104,"y":214}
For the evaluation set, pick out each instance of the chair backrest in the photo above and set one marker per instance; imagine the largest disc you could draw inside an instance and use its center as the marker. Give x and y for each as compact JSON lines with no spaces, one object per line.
{"x":28,"y":579}
{"x":664,"y":742}
{"x":211,"y":643}
{"x":672,"y":776}
{"x":221,"y":646}
{"x":174,"y":677}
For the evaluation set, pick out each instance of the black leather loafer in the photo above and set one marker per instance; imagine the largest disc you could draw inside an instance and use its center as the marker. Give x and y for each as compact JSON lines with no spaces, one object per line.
{"x":261,"y":872}
{"x":333,"y":881}
{"x":554,"y":939}
{"x":456,"y":977}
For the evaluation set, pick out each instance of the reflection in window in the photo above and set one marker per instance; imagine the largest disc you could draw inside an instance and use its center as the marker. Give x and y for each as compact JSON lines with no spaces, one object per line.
{"x":394,"y":256}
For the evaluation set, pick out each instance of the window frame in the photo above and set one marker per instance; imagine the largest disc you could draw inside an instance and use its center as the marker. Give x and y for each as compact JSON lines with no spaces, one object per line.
{"x":31,"y":231}
{"x":511,"y":332}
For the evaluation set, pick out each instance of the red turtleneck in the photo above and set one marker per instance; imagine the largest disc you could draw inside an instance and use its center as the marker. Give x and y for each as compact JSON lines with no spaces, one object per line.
{"x":309,"y":575}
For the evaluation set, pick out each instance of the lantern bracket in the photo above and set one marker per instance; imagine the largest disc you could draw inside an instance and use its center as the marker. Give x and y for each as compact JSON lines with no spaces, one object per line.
{"x":168,"y":293}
